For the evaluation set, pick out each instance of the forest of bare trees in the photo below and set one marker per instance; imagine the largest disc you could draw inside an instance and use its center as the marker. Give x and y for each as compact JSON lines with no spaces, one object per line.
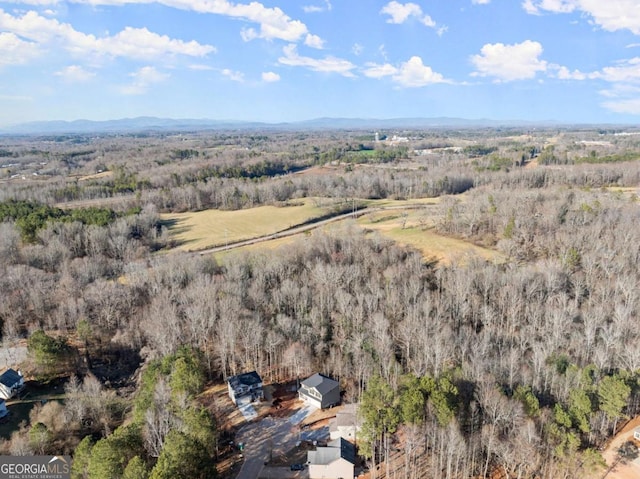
{"x":524,"y":365}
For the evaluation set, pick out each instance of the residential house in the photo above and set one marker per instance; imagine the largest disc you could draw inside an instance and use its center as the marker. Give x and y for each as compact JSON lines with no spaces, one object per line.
{"x":245,"y":388}
{"x":636,"y":433}
{"x":11,"y":382}
{"x":320,"y":391}
{"x":346,"y":423}
{"x":335,"y":461}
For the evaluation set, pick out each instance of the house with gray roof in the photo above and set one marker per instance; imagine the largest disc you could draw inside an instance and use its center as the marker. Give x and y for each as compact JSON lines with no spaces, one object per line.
{"x":245,"y":388}
{"x":346,"y":424}
{"x":335,"y":461}
{"x":11,"y":382}
{"x":320,"y":391}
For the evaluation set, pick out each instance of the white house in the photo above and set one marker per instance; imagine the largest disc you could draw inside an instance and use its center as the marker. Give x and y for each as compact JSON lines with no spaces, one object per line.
{"x":11,"y":382}
{"x":346,"y":423}
{"x":336,"y":461}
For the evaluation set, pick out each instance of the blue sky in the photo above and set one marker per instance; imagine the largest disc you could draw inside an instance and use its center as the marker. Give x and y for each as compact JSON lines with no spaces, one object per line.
{"x":285,"y":60}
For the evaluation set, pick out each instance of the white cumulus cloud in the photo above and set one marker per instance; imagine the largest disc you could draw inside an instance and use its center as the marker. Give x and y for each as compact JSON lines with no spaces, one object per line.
{"x":75,"y":74}
{"x":375,"y":70}
{"x":143,"y":78}
{"x":15,"y":51}
{"x":411,"y":74}
{"x":233,"y":75}
{"x":625,"y":71}
{"x":610,"y":15}
{"x":520,"y":61}
{"x":272,"y":22}
{"x":328,"y":64}
{"x":480,"y":2}
{"x":314,"y":41}
{"x":270,"y":77}
{"x":136,"y":43}
{"x":400,"y":13}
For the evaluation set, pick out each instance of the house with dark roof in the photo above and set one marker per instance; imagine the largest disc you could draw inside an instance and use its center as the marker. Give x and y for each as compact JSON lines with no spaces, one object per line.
{"x":11,"y":382}
{"x":335,"y":461}
{"x":320,"y":391}
{"x":245,"y":388}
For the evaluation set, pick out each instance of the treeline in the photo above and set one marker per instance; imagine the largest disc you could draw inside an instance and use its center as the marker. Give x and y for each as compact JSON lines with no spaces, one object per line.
{"x":30,"y":216}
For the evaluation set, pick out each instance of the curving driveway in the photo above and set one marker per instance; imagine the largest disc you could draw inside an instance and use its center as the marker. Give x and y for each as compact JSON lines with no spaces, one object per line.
{"x":268,"y":438}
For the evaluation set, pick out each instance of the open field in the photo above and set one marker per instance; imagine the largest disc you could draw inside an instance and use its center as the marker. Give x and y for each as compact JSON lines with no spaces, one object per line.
{"x":418,"y":233}
{"x":209,"y":228}
{"x":415,"y":228}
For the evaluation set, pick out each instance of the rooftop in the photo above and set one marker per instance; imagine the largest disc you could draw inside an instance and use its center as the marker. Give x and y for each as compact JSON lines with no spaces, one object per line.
{"x":10,"y":378}
{"x":335,"y":450}
{"x":321,"y":383}
{"x":246,"y":379}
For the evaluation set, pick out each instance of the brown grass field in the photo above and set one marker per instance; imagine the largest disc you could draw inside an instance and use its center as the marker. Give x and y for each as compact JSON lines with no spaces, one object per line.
{"x":415,"y":228}
{"x":205,"y":229}
{"x":417,"y":233}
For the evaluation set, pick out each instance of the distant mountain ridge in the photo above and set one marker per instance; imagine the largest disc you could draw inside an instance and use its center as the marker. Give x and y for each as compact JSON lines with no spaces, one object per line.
{"x":147,"y":123}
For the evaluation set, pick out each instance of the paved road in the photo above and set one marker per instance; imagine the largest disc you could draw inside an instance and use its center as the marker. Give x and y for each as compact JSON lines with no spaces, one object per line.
{"x":266,"y":438}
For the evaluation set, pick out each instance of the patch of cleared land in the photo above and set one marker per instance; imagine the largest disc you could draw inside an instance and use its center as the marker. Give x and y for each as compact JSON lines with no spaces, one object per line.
{"x":205,"y":229}
{"x":389,"y":224}
{"x":415,"y":228}
{"x":408,"y":222}
{"x":95,"y":176}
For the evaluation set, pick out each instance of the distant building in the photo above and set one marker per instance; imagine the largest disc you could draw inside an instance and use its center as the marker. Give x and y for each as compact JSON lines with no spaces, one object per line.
{"x":346,"y":424}
{"x":245,"y":388}
{"x":320,"y":391}
{"x":336,"y":461}
{"x":11,"y":382}
{"x":636,"y":433}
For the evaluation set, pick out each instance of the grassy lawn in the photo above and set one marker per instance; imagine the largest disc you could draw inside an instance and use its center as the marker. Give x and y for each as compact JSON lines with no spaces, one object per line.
{"x":205,"y":229}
